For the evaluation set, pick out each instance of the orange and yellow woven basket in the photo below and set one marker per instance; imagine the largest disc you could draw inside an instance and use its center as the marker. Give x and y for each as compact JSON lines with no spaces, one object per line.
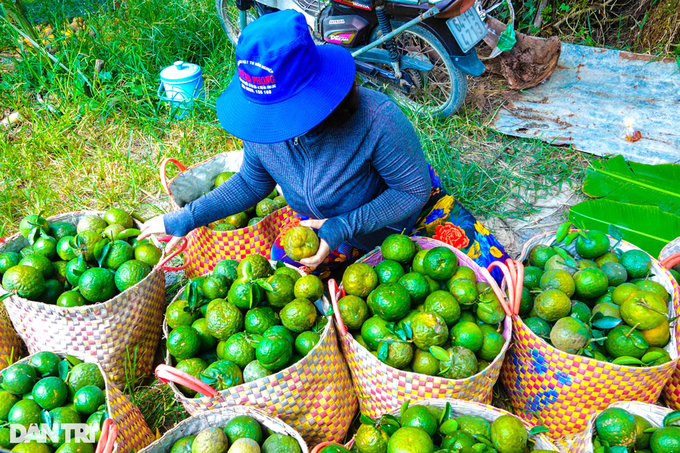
{"x":133,"y":432}
{"x":207,"y":247}
{"x":117,"y":333}
{"x":561,"y":391}
{"x":382,"y":389}
{"x":314,"y":395}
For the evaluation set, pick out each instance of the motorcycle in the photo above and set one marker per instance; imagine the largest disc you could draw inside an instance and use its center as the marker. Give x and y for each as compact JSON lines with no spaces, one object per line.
{"x":418,"y":50}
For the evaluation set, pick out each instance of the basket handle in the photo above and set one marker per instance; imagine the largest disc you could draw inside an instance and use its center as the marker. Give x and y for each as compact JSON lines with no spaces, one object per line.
{"x":108,"y":437}
{"x":167,"y":374}
{"x":318,"y":448}
{"x":671,"y":261}
{"x":333,"y":290}
{"x":508,"y":306}
{"x":182,"y":247}
{"x":163,"y":172}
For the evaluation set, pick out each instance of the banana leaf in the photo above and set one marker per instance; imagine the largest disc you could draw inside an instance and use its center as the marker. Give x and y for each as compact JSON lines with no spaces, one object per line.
{"x":647,"y":227}
{"x":632,"y":182}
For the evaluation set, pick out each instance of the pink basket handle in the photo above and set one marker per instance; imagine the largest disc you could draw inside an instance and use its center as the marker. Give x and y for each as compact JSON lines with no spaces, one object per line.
{"x":163,"y":172}
{"x":333,"y":290}
{"x":671,"y":261}
{"x":108,"y":437}
{"x":167,"y":374}
{"x":182,"y":247}
{"x":508,"y":306}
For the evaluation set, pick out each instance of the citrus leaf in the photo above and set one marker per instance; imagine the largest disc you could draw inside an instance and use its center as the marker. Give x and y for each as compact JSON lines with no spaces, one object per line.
{"x":389,"y":424}
{"x":366,"y":420}
{"x":596,"y":316}
{"x":401,"y":334}
{"x":607,"y":322}
{"x":448,"y":427}
{"x":440,"y":353}
{"x":671,"y":418}
{"x":639,"y":342}
{"x":618,"y":449}
{"x":538,"y":430}
{"x":262,"y":283}
{"x":383,"y":351}
{"x":627,"y":361}
{"x":648,"y":227}
{"x":128,"y":233}
{"x":5,"y":296}
{"x":208,"y":379}
{"x":251,"y":295}
{"x":390,"y":327}
{"x":33,"y":235}
{"x":652,"y":356}
{"x":407,"y":330}
{"x":571,"y":237}
{"x":562,"y":231}
{"x":404,"y":406}
{"x":650,"y":430}
{"x":615,"y":232}
{"x":483,"y":440}
{"x":248,"y":270}
{"x":447,"y":414}
{"x":64,"y":367}
{"x":280,"y":264}
{"x":73,"y":360}
{"x":46,"y":418}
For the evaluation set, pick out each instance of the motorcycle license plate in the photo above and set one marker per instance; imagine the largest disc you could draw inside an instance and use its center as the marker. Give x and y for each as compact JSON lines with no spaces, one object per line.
{"x":468,"y":29}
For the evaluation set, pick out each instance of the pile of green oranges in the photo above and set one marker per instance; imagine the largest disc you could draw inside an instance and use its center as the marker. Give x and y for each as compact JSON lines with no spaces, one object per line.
{"x":250,"y":216}
{"x":600,"y":303}
{"x":419,"y":311}
{"x":429,"y":429}
{"x":241,"y":434}
{"x":71,"y":265}
{"x":619,"y":431}
{"x":55,"y":392}
{"x":244,"y":321}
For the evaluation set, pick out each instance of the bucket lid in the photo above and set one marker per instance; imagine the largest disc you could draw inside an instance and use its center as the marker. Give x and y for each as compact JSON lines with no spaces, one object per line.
{"x":180,"y":71}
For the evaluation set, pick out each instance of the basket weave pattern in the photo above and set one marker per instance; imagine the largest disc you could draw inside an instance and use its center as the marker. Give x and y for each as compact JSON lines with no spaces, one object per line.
{"x":218,"y":419}
{"x":106,"y":332}
{"x":133,"y":432}
{"x":671,"y":393}
{"x":561,"y":390}
{"x":314,"y":395}
{"x":382,"y":389}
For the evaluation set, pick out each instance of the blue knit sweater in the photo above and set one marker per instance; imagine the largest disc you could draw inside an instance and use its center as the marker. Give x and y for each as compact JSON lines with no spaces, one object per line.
{"x":368,"y":174}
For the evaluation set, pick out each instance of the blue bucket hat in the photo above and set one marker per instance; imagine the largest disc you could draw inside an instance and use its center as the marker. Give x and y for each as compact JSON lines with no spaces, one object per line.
{"x":285,"y":84}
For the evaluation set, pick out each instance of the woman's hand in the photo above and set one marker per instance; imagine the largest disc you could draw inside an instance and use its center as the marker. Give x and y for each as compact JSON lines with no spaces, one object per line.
{"x":313,"y":262}
{"x":157,"y":226}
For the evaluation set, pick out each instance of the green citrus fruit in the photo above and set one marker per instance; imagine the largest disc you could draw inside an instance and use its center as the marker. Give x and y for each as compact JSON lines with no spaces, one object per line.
{"x":509,"y":435}
{"x":130,"y":273}
{"x":223,"y":177}
{"x":615,"y":272}
{"x":274,"y":353}
{"x":642,"y":438}
{"x":623,"y":291}
{"x":265,"y":207}
{"x":97,"y":285}
{"x":463,"y":364}
{"x":210,"y":440}
{"x":32,"y":221}
{"x":399,"y":248}
{"x":7,"y":400}
{"x":280,"y":331}
{"x":88,"y":399}
{"x":389,"y":271}
{"x":226,"y":268}
{"x":306,"y":341}
{"x":288,"y":272}
{"x":623,"y":341}
{"x":26,"y":281}
{"x":260,"y":266}
{"x":245,"y":294}
{"x":259,"y":319}
{"x":46,"y":246}
{"x":254,"y":371}
{"x":280,"y":201}
{"x":445,"y":305}
{"x":462,"y":272}
{"x":465,"y":291}
{"x":208,"y":342}
{"x":238,"y":220}
{"x":468,"y":335}
{"x":298,"y":315}
{"x":53,"y":289}
{"x":19,"y":378}
{"x":309,"y":287}
{"x":243,"y":427}
{"x":353,"y":311}
{"x":590,"y":283}
{"x":644,"y":309}
{"x":593,"y":245}
{"x":373,"y":331}
{"x":224,"y":227}
{"x":420,"y":417}
{"x":399,"y":353}
{"x":359,"y":279}
{"x":552,"y":305}
{"x":59,"y":230}
{"x":84,"y":374}
{"x":148,"y":253}
{"x":425,"y":363}
{"x":178,"y":314}
{"x":300,"y":242}
{"x":540,"y":254}
{"x":193,"y":366}
{"x":416,"y":285}
{"x":666,"y":440}
{"x":429,"y":329}
{"x":370,"y":439}
{"x":8,"y":260}
{"x":237,"y":349}
{"x":492,"y":344}
{"x":532,"y":277}
{"x":458,"y":441}
{"x":215,"y":287}
{"x":50,"y":392}
{"x":390,"y":301}
{"x":569,"y":334}
{"x":637,"y":263}
{"x":119,"y":217}
{"x":655,"y":287}
{"x":658,"y":336}
{"x":559,"y":280}
{"x":282,"y":290}
{"x":46,"y":363}
{"x":183,"y":445}
{"x":224,"y":319}
{"x":119,"y":252}
{"x":538,"y":326}
{"x":183,"y":342}
{"x":440,"y":263}
{"x":580,"y":311}
{"x":73,"y":446}
{"x":280,"y":443}
{"x":418,"y":259}
{"x":25,"y":412}
{"x":616,"y":427}
{"x":222,"y":375}
{"x":409,"y":439}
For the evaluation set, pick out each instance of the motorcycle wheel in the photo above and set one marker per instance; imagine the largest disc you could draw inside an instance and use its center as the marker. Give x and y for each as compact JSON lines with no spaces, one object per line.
{"x":228,"y":14}
{"x":442,"y":89}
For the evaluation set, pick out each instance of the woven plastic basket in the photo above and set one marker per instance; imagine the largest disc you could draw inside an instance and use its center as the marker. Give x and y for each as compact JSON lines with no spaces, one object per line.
{"x":123,"y":329}
{"x":461,"y":407}
{"x":669,"y":257}
{"x":11,"y":346}
{"x":314,"y":395}
{"x":207,"y":247}
{"x":382,"y":389}
{"x":126,"y":431}
{"x":582,"y":442}
{"x":218,"y":419}
{"x":563,"y":390}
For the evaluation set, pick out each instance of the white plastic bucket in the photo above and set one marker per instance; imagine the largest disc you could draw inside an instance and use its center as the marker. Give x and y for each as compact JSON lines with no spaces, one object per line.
{"x":182,"y":83}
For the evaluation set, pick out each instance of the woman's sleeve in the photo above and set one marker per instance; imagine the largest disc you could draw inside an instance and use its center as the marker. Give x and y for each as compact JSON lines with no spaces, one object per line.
{"x":247,"y":187}
{"x":398,"y":158}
